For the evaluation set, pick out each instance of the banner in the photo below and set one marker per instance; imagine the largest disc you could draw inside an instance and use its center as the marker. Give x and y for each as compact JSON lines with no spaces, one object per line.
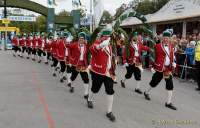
{"x":98,"y":11}
{"x":20,"y":18}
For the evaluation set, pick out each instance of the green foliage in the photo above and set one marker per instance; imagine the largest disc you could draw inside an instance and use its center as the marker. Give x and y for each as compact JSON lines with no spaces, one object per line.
{"x":106,"y":18}
{"x":41,"y":23}
{"x":150,"y":6}
{"x":64,"y":13}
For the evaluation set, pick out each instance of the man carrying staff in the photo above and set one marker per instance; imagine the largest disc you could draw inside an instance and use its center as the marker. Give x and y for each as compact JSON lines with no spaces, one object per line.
{"x":102,"y":71}
{"x":163,"y":65}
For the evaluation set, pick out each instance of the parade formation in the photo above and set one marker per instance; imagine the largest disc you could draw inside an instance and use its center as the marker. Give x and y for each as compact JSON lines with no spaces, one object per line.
{"x":69,"y":57}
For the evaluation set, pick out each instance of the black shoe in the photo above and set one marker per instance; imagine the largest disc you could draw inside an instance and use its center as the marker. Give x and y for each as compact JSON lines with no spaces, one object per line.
{"x":54,"y":74}
{"x":110,"y":116}
{"x":138,"y":91}
{"x":147,"y":97}
{"x":39,"y":61}
{"x":46,"y":63}
{"x":33,"y":59}
{"x":64,"y":78}
{"x":61,"y":80}
{"x":71,"y":89}
{"x":90,"y":104}
{"x":115,"y":82}
{"x":69,"y":84}
{"x":122,"y":84}
{"x":27,"y":57}
{"x":14,"y":55}
{"x":197,"y":89}
{"x":171,"y":106}
{"x":86,"y":97}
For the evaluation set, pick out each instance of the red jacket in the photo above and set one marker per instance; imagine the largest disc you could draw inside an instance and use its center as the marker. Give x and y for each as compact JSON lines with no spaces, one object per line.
{"x":47,"y":46}
{"x":40,"y":41}
{"x":75,"y":52}
{"x":99,"y":59}
{"x":34,"y":42}
{"x":67,"y":53}
{"x":54,"y":48}
{"x":160,"y":55}
{"x":15,"y":41}
{"x":132,"y":58}
{"x":28,"y":42}
{"x":22,"y":42}
{"x":61,"y":50}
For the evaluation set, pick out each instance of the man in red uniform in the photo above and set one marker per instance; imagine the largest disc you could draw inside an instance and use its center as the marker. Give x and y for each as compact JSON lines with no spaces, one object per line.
{"x":15,"y":44}
{"x":133,"y":63}
{"x":61,"y":57}
{"x":28,"y":45}
{"x":34,"y":46}
{"x":39,"y":47}
{"x":68,"y":40}
{"x":47,"y":49}
{"x":163,"y":65}
{"x":54,"y":55}
{"x":79,"y":61}
{"x":102,"y":71}
{"x":22,"y":44}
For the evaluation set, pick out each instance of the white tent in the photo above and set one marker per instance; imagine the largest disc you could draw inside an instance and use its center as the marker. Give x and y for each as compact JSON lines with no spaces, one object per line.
{"x":174,"y":10}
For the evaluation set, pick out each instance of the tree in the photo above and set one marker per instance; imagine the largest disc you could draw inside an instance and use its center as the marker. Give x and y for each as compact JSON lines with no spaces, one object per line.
{"x":64,"y":13}
{"x":41,"y":23}
{"x":106,"y":18}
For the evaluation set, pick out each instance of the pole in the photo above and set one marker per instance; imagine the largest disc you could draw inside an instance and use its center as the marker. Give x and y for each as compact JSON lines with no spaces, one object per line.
{"x":6,"y":25}
{"x":91,"y":23}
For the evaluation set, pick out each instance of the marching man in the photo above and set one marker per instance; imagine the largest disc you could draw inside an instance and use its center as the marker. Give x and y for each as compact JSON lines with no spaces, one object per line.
{"x":34,"y":46}
{"x":15,"y":44}
{"x":134,"y":63}
{"x":61,"y":57}
{"x":102,"y":71}
{"x":28,"y":45}
{"x":79,"y":61}
{"x":163,"y":65}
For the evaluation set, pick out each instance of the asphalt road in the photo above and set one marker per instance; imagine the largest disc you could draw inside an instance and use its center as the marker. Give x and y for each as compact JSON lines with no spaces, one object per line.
{"x":31,"y":98}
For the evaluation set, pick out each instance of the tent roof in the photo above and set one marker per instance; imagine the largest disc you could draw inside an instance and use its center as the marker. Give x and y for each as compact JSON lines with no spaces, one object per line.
{"x":173,"y":10}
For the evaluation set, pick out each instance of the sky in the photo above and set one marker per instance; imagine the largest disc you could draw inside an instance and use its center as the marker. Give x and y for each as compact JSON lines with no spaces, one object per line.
{"x":109,"y":5}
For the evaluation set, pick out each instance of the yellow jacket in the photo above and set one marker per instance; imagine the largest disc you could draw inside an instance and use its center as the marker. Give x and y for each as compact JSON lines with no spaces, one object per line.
{"x":197,"y":52}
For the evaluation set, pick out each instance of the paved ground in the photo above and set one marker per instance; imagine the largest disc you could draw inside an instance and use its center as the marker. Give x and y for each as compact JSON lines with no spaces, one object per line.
{"x":31,"y":98}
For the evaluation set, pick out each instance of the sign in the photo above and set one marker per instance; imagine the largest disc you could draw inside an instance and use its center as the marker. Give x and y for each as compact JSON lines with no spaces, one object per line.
{"x":86,"y":20}
{"x":20,"y":18}
{"x":5,"y":21}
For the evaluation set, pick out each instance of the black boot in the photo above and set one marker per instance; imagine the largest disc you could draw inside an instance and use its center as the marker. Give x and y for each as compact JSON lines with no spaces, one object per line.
{"x":138,"y":91}
{"x":90,"y":104}
{"x":171,"y":106}
{"x":147,"y":97}
{"x":122,"y":84}
{"x":86,"y":96}
{"x":71,"y":89}
{"x":111,"y":116}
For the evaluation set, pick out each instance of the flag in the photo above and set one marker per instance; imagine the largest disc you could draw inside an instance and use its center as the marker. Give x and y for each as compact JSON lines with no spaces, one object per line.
{"x":51,"y":2}
{"x":76,"y":3}
{"x":98,"y":11}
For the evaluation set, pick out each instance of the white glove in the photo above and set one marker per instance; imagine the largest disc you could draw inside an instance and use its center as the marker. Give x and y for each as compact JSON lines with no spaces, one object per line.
{"x":104,"y":44}
{"x":174,"y":64}
{"x":152,"y":70}
{"x":125,"y":65}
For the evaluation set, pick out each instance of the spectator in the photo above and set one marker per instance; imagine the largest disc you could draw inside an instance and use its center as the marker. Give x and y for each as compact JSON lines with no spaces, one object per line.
{"x":197,"y":62}
{"x":189,"y":51}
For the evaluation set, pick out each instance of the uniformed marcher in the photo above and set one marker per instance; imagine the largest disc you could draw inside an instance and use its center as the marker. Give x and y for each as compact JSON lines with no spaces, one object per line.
{"x":133,"y":62}
{"x":79,"y":62}
{"x":102,"y":71}
{"x":163,"y":65}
